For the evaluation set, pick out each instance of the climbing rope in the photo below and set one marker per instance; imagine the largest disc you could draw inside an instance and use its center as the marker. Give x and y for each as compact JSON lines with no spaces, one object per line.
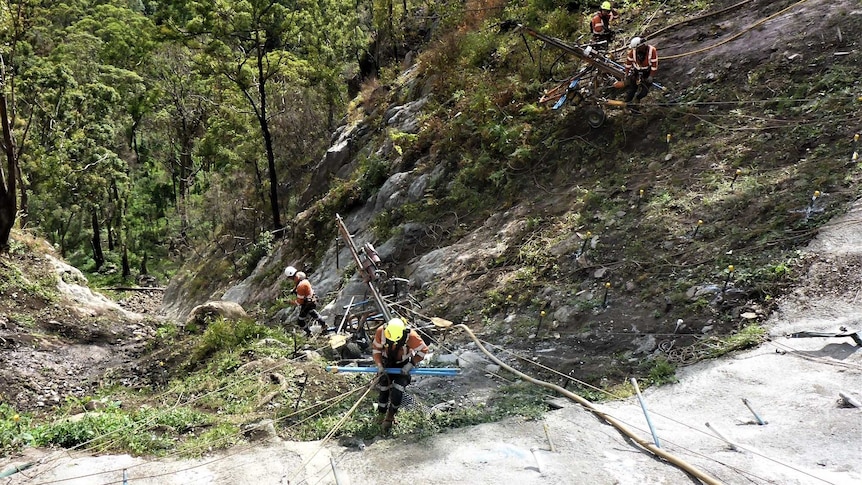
{"x":95,"y":443}
{"x":333,"y":430}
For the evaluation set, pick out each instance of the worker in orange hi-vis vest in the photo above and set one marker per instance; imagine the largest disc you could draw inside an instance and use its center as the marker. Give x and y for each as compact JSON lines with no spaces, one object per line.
{"x":394,"y":345}
{"x":305,"y":299}
{"x":600,"y":26}
{"x":641,"y":65}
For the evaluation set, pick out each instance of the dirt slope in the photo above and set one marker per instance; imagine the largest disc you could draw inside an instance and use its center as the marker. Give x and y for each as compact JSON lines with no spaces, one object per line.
{"x":58,"y":338}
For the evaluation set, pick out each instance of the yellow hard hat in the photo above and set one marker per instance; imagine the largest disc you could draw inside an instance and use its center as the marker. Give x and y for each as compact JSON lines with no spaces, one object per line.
{"x":394,"y":329}
{"x":606,"y":5}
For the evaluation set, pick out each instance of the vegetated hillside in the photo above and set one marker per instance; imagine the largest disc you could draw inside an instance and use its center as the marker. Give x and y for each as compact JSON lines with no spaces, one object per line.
{"x":667,"y":231}
{"x":520,"y":220}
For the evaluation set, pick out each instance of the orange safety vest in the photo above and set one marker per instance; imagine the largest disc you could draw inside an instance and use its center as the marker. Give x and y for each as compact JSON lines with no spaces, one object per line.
{"x":411,"y":348}
{"x":650,"y":62}
{"x":601,"y":23}
{"x":304,"y":292}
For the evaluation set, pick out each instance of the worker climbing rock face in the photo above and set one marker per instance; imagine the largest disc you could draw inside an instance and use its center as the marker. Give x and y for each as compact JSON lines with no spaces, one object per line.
{"x":305,"y":299}
{"x":394,"y":346}
{"x":641,"y":65}
{"x":600,"y":26}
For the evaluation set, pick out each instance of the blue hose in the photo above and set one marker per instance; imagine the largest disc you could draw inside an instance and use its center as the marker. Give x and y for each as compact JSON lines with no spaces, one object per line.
{"x":431,"y":371}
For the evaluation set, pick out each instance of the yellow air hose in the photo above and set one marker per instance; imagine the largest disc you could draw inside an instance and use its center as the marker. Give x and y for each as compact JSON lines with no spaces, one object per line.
{"x":670,"y":458}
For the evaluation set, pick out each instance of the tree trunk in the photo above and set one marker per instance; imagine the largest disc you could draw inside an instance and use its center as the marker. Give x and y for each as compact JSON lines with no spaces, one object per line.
{"x":62,"y":231}
{"x":127,"y":270}
{"x":110,"y":232}
{"x":8,"y":180}
{"x":98,"y":255}
{"x":184,"y":175}
{"x":23,"y":214}
{"x":267,"y":139}
{"x":392,"y":38}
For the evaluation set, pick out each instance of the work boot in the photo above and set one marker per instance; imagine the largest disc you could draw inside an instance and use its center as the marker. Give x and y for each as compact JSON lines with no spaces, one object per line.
{"x":386,"y":426}
{"x":380,"y":418}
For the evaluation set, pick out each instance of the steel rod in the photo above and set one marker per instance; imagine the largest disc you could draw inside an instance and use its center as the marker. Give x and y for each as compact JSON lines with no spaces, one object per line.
{"x":759,"y":421}
{"x":646,"y":413}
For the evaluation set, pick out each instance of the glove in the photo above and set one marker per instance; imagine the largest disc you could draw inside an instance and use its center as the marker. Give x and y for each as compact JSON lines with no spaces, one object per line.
{"x":405,"y":371}
{"x":381,"y":370}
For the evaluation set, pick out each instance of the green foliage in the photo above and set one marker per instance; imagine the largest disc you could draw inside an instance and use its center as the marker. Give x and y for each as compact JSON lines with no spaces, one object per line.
{"x":145,"y":431}
{"x":14,"y":430}
{"x":373,"y":171}
{"x":218,"y":437}
{"x":479,"y":49}
{"x":400,"y":140}
{"x":749,"y":336}
{"x":167,"y":332}
{"x":223,"y":334}
{"x":222,"y":391}
{"x":661,"y":372}
{"x":261,"y":247}
{"x":42,"y":286}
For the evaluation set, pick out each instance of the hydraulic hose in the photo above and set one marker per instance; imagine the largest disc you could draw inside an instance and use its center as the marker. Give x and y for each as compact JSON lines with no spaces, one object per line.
{"x":670,"y":458}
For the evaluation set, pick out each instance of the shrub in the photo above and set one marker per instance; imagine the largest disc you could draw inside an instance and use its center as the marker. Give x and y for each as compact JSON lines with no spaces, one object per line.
{"x":13,"y":430}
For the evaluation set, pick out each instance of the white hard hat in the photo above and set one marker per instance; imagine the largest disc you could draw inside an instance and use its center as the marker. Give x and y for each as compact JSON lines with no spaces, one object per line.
{"x":636,"y":41}
{"x":300,"y":275}
{"x":289,"y":271}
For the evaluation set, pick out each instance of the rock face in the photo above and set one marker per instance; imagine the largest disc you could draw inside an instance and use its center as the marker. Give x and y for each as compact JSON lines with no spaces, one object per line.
{"x":72,"y":285}
{"x":202,"y":314}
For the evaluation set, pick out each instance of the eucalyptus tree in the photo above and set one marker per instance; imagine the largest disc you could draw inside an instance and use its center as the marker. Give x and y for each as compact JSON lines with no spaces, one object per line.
{"x":262,"y":46}
{"x":16,"y":19}
{"x":8,"y":177}
{"x":179,"y":121}
{"x":84,"y":99}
